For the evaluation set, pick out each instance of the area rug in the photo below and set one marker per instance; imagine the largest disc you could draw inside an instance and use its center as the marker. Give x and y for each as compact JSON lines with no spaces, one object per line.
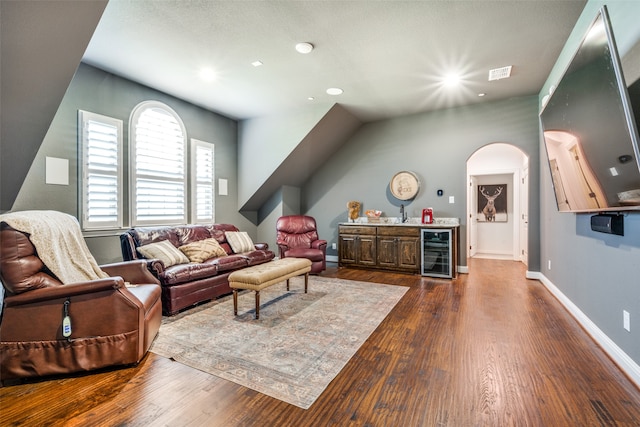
{"x":297,"y":346}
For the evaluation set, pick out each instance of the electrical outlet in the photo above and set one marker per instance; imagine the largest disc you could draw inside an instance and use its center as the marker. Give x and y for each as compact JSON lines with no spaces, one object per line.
{"x":626,"y":320}
{"x":333,"y":246}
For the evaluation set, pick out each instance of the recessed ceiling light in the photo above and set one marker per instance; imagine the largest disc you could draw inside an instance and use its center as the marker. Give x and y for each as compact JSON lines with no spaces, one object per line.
{"x":481,"y":94}
{"x":304,"y":47}
{"x":207,"y":74}
{"x":334,"y":91}
{"x":451,"y":80}
{"x":256,"y":63}
{"x":311,"y":98}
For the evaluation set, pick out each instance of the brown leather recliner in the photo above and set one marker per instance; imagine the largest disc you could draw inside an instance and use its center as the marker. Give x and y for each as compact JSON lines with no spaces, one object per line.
{"x":110,"y":323}
{"x":297,"y":237}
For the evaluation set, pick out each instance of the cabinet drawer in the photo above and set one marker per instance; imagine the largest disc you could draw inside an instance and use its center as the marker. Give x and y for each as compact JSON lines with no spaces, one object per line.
{"x":347,"y":229}
{"x":399,"y":231}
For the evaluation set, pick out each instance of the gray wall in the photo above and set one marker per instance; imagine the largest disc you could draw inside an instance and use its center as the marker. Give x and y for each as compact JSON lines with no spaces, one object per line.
{"x":41,"y":44}
{"x":436,"y":147}
{"x":265,"y":142}
{"x":599,"y":273}
{"x":99,"y":92}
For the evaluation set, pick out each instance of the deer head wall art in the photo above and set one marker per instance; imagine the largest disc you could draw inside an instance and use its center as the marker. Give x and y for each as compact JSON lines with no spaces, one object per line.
{"x":492,"y":203}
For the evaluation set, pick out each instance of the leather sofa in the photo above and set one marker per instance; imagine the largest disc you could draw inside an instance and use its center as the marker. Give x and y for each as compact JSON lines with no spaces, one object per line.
{"x":186,"y":284}
{"x":110,"y":323}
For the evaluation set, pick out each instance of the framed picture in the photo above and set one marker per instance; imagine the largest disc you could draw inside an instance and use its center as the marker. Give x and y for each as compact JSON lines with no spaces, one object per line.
{"x":492,"y":203}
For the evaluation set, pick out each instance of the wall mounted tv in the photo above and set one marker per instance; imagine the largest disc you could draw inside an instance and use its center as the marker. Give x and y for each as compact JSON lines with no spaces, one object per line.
{"x":590,"y":133}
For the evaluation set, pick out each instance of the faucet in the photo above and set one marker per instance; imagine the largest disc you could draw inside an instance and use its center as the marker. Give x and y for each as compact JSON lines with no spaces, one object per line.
{"x":403,"y":217}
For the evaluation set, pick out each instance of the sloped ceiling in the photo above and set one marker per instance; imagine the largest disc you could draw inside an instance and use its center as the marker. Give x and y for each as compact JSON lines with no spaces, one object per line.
{"x":41,"y":43}
{"x":319,"y":143}
{"x":389,"y":57}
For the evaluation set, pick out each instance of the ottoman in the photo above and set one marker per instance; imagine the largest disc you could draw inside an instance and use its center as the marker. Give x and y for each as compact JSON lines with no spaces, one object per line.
{"x":258,"y":277}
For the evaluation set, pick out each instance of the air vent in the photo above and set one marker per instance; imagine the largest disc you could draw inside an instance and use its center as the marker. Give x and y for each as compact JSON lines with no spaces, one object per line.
{"x":500,"y":73}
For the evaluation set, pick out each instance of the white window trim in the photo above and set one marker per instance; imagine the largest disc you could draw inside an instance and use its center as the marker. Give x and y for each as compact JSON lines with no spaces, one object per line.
{"x":195,"y":144}
{"x":84,"y":171}
{"x":135,"y":114}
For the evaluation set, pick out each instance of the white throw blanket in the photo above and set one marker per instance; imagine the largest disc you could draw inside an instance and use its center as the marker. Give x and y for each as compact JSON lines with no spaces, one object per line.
{"x":58,"y":239}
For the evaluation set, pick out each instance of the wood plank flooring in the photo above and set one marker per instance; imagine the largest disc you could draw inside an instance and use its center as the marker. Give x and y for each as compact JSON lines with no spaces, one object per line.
{"x":490,"y":348}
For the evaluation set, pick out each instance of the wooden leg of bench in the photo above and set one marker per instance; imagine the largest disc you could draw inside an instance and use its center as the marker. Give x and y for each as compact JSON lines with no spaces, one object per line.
{"x":306,"y":282}
{"x":257,"y":304}
{"x":287,"y":285}
{"x":235,"y":302}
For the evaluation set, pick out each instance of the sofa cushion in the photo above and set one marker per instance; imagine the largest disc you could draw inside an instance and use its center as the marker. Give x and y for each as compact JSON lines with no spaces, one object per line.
{"x":191,"y":233}
{"x":311,"y":254}
{"x":165,"y":252}
{"x":239,"y":241}
{"x":202,"y":250}
{"x":229,"y":262}
{"x":183,"y":273}
{"x":258,"y":256}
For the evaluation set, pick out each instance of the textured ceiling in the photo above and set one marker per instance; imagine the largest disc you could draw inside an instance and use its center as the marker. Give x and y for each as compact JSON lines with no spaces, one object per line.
{"x":388,"y":56}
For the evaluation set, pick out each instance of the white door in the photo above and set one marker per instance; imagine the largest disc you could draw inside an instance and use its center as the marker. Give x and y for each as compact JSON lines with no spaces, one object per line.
{"x":472,"y":216}
{"x":524,"y":217}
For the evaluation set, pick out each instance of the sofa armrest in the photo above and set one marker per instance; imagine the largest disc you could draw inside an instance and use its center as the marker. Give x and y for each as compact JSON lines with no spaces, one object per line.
{"x":282,"y":248}
{"x":128,"y":247}
{"x":136,"y":272}
{"x":155,"y":266}
{"x":319,"y":244}
{"x":261,"y":246}
{"x":99,"y":308}
{"x":63,"y":291}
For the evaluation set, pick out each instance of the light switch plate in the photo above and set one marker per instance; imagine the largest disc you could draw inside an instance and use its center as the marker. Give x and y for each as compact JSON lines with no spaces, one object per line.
{"x":222,"y":187}
{"x":452,"y":199}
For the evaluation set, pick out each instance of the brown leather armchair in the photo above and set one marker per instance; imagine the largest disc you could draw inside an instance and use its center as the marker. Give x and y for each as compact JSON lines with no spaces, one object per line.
{"x":297,"y":237}
{"x":110,"y":323}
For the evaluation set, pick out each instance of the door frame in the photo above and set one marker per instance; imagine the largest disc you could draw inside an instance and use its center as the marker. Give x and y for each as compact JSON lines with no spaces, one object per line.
{"x":515,"y":205}
{"x":520,"y":206}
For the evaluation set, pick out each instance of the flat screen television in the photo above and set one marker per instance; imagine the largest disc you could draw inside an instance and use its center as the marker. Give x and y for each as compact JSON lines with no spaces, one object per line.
{"x":590,"y":131}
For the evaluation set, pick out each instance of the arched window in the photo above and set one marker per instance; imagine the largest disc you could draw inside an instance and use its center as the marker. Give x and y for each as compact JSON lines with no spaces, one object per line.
{"x":158,"y":159}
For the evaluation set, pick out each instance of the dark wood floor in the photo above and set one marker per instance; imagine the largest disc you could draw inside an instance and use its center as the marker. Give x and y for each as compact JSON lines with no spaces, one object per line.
{"x":488,"y":349}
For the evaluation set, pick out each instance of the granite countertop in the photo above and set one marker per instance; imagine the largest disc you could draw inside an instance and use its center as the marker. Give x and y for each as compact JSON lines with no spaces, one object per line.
{"x":411,"y":222}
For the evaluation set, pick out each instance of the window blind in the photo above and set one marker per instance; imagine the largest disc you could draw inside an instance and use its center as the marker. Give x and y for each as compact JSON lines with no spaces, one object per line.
{"x":203,"y":183}
{"x":101,"y":180}
{"x":159,"y":166}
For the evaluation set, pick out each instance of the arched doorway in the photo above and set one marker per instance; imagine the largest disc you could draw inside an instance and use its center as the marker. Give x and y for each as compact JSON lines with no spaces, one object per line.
{"x":498,"y":203}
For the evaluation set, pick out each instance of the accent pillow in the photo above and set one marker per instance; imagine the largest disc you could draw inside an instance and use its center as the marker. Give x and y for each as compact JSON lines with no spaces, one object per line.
{"x":202,"y":250}
{"x":165,"y":252}
{"x":239,"y":241}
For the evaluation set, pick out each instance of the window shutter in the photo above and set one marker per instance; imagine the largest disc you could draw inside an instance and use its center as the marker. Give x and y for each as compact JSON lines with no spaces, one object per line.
{"x":203,"y":183}
{"x":159,"y":166}
{"x":101,"y":180}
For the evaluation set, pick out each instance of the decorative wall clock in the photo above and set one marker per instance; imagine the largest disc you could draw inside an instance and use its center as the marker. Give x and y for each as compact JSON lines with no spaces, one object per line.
{"x":404,"y":185}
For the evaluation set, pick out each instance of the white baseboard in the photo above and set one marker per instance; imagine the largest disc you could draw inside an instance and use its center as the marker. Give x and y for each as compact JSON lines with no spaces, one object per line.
{"x":463,"y":269}
{"x":628,"y":365}
{"x":331,"y":258}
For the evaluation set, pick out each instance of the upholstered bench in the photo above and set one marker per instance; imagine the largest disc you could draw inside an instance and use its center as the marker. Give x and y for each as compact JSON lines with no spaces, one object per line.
{"x":261,"y":276}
